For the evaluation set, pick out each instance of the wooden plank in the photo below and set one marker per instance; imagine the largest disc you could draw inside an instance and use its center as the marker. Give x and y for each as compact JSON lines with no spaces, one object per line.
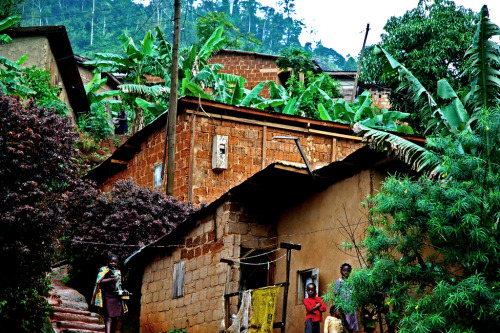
{"x":273,"y":125}
{"x":119,"y":162}
{"x":333,"y":157}
{"x":264,"y":145}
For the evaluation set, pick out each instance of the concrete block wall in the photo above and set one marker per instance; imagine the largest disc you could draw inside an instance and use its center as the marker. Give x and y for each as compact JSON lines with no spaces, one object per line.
{"x":216,"y":236}
{"x":251,"y":148}
{"x":253,"y":67}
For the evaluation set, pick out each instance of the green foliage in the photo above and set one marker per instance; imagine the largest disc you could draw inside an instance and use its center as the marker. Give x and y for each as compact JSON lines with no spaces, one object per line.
{"x":430,"y":40}
{"x":45,"y":94}
{"x":6,"y":22}
{"x":235,"y":39}
{"x":11,"y":77}
{"x":9,"y":8}
{"x":312,"y":91}
{"x":36,"y":167}
{"x":296,"y":58}
{"x":432,"y":250}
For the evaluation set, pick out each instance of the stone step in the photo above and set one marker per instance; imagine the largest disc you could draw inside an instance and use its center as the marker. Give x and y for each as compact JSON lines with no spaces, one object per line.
{"x":76,"y":305}
{"x":66,"y":316}
{"x":79,"y":325}
{"x":71,"y":310}
{"x":75,"y":330}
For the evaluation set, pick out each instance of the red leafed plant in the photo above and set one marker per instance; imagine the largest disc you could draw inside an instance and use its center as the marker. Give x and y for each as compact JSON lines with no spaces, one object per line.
{"x":120,"y":222}
{"x":36,"y":168}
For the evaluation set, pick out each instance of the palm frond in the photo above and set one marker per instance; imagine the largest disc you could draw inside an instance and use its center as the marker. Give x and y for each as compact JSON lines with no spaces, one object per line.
{"x":9,"y":65}
{"x":213,"y":44}
{"x":418,"y":158}
{"x":253,"y":94}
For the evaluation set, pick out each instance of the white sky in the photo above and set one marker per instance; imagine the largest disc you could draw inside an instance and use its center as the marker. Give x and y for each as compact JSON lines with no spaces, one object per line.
{"x":341,"y":24}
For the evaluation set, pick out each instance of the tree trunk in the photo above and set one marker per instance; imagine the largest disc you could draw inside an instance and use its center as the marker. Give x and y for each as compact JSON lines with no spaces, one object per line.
{"x":139,"y":119}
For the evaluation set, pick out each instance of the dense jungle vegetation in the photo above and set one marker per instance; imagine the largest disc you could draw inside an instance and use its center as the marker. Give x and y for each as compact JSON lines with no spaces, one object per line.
{"x":95,"y":25}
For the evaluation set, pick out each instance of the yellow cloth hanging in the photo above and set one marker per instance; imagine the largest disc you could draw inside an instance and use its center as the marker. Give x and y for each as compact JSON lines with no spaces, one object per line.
{"x":263,"y":307}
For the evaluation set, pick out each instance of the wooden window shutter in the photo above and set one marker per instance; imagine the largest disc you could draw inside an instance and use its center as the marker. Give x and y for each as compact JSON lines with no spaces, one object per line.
{"x":178,"y":287}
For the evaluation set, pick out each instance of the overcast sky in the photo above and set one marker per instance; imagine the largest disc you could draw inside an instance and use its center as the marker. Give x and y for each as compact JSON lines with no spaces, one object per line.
{"x":341,"y":24}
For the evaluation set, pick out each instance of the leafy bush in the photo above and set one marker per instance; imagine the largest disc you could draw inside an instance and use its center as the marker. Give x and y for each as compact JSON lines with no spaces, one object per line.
{"x":296,"y":58}
{"x":36,"y":166}
{"x":119,"y":222}
{"x":322,"y":83}
{"x":45,"y":94}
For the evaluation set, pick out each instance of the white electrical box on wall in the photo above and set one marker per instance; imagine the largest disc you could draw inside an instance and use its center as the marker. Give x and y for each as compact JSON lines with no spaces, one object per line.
{"x":219,"y":152}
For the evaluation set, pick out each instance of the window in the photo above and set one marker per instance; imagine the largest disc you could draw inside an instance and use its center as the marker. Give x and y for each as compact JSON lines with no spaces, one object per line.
{"x":178,"y":287}
{"x":303,"y":279}
{"x":158,"y":176}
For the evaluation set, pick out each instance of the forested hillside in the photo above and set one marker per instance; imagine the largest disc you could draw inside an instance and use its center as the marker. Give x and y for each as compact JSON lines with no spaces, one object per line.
{"x":94,"y":25}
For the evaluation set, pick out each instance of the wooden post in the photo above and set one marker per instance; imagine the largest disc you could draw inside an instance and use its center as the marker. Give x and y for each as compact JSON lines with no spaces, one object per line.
{"x":264,"y":146}
{"x":359,"y":64}
{"x":172,"y":105}
{"x":191,"y":160}
{"x":227,"y":304}
{"x":289,"y":247}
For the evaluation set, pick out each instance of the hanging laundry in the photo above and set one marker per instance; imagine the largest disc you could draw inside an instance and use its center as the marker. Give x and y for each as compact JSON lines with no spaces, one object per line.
{"x":263,"y":308}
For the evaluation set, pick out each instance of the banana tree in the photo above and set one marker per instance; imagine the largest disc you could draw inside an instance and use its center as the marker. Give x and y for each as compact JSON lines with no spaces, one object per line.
{"x":4,"y":24}
{"x":135,"y":64}
{"x":449,"y":115}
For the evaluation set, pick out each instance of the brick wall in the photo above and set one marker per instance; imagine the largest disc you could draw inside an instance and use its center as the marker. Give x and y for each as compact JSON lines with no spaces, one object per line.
{"x":200,"y":310}
{"x":251,"y":148}
{"x":254,"y":67}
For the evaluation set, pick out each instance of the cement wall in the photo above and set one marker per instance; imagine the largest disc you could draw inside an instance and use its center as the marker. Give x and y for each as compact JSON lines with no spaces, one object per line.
{"x":317,"y":224}
{"x":39,"y":55}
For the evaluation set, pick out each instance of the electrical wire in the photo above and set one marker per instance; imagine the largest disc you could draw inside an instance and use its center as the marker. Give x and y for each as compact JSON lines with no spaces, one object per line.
{"x":193,"y":245}
{"x":258,"y":264}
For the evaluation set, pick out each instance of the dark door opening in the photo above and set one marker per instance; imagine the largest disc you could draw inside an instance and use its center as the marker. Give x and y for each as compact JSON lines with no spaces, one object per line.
{"x":257,"y":272}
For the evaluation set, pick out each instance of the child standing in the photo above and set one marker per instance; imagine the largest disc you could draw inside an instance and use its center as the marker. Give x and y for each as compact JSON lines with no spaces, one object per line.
{"x":333,"y":323}
{"x":314,"y":308}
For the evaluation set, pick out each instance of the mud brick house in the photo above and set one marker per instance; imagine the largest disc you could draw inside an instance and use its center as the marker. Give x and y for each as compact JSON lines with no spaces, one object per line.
{"x":188,"y":272}
{"x":254,"y":67}
{"x":49,"y":48}
{"x":243,"y":138}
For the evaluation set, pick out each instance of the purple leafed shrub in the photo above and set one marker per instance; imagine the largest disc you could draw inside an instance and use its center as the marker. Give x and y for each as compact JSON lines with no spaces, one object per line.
{"x":120,"y":222}
{"x":36,"y":167}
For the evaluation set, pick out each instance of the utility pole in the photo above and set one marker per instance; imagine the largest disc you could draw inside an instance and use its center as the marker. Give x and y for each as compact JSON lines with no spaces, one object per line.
{"x":172,"y":105}
{"x":359,"y":64}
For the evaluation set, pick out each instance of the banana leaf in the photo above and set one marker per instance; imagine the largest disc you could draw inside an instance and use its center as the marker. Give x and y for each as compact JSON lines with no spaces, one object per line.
{"x":455,"y":113}
{"x":253,"y":94}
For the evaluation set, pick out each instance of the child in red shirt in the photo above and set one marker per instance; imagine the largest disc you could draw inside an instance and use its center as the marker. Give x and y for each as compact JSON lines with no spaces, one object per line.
{"x":314,"y":308}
